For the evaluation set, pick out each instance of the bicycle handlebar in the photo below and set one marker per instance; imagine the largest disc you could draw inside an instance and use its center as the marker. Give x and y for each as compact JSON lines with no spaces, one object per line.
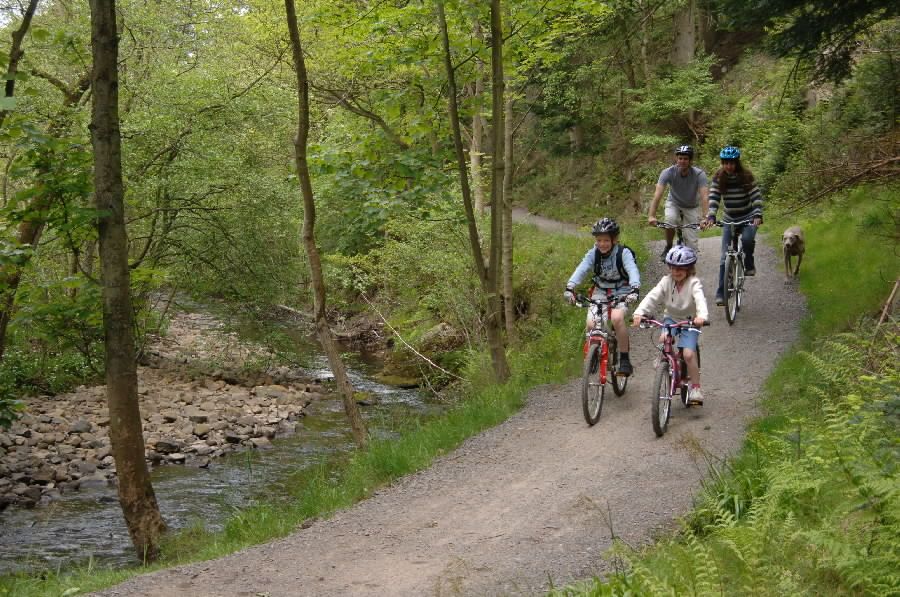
{"x":741,"y":223}
{"x":676,"y":226}
{"x":649,"y":322}
{"x":583,"y":300}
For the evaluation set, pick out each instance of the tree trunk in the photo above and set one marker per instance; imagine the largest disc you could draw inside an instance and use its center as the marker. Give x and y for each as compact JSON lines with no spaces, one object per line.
{"x":685,"y":35}
{"x":12,"y":274}
{"x":647,"y":15}
{"x":16,"y":53}
{"x":145,"y":525}
{"x":326,"y":338}
{"x":509,"y":311}
{"x":495,"y":314}
{"x":486,"y":275}
{"x":476,"y":148}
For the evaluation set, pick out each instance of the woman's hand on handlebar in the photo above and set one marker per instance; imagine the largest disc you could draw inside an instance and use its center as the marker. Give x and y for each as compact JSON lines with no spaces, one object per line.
{"x":636,"y":321}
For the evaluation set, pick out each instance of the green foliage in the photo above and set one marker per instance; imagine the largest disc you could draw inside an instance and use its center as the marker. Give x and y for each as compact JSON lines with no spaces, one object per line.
{"x":677,"y":92}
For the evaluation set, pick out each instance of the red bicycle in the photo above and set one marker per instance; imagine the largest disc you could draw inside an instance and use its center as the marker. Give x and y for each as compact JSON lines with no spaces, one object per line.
{"x":671,"y":372}
{"x":601,"y":356}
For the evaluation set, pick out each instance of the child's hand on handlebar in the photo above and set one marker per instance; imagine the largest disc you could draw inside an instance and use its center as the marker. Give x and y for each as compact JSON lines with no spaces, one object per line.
{"x":698,"y":322}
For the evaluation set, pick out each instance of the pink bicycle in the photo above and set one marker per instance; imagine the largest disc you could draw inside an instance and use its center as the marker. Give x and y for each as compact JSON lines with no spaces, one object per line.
{"x":671,"y":372}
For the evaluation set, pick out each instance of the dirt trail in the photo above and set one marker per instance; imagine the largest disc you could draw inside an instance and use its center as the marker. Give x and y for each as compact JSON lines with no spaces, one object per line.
{"x":529,"y":502}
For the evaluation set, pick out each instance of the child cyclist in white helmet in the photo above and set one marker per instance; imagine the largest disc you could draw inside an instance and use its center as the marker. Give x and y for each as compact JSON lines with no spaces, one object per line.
{"x":679,"y":295}
{"x":613,"y":267}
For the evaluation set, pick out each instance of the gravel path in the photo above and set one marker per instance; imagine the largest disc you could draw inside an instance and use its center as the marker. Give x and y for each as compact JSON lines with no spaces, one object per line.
{"x":535,"y":500}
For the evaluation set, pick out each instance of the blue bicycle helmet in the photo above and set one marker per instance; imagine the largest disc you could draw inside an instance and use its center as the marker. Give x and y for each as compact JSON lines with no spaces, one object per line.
{"x":605,"y":226}
{"x":685,"y":150}
{"x":681,"y":256}
{"x":730,"y":152}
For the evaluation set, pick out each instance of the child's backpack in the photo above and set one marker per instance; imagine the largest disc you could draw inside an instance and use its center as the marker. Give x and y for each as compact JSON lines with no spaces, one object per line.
{"x":619,"y":265}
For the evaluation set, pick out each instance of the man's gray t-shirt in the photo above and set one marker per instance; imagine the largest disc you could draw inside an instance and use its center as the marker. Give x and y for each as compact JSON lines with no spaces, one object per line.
{"x":683,"y":190}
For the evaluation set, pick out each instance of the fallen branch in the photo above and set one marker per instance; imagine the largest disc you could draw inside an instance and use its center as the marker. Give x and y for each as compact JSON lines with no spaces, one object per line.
{"x":405,"y":343}
{"x":887,"y":305}
{"x":847,"y":182}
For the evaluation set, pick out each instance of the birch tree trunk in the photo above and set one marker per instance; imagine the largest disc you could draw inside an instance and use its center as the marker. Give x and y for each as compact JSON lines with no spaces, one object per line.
{"x":323,"y":330}
{"x":509,"y":311}
{"x":136,"y":496}
{"x":476,"y":147}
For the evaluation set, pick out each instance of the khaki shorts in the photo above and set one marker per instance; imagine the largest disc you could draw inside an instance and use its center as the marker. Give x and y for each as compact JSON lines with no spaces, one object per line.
{"x":677,"y":216}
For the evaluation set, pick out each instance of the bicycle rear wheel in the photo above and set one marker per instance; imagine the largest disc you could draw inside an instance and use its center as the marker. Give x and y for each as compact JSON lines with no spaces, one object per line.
{"x":591,"y":388}
{"x":619,"y":383}
{"x":731,"y":288}
{"x":661,"y":399}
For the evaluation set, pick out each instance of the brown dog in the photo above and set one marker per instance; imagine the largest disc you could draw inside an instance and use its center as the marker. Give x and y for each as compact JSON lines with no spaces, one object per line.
{"x":792,"y":243}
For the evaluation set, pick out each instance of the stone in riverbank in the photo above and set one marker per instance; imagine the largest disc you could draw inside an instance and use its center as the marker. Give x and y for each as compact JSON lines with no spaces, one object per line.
{"x":61,"y":443}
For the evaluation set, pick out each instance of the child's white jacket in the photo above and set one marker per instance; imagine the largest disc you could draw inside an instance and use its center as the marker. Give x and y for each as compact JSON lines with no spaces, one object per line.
{"x":682,"y":304}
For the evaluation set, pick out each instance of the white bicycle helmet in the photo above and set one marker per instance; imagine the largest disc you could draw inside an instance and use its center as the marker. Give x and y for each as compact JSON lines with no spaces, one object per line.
{"x":681,"y":256}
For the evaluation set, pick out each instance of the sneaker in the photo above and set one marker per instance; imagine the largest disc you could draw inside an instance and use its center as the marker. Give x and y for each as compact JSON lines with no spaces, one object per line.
{"x":695,"y":396}
{"x":665,"y":252}
{"x":625,"y":367}
{"x":720,"y":300}
{"x":750,"y":272}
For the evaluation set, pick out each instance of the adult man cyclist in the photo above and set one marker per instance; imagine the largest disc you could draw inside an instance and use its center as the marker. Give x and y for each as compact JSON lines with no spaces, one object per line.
{"x":688,"y":198}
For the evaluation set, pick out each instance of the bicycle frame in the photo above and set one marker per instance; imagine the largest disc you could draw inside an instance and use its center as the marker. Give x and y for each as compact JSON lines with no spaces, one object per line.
{"x":670,"y":368}
{"x":599,"y":333}
{"x":733,"y":281}
{"x":674,"y":356}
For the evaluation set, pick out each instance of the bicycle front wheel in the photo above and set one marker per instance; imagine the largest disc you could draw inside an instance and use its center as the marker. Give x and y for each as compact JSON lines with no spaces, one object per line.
{"x":591,"y":388}
{"x":739,"y":280}
{"x":731,"y":289}
{"x":661,"y":399}
{"x":619,"y":383}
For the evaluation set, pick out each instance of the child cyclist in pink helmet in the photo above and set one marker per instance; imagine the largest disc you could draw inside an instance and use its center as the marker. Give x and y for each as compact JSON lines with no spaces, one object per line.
{"x":679,"y":296}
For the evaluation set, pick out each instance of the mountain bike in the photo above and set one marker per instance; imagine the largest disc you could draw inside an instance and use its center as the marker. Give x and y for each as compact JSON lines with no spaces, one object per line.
{"x":601,"y":356}
{"x":671,"y":372}
{"x":733,"y":284}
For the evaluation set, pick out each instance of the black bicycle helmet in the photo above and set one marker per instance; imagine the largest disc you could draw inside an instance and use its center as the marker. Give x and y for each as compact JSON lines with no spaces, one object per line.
{"x":681,"y":256}
{"x":730,"y":152}
{"x":605,"y":226}
{"x":685,"y":150}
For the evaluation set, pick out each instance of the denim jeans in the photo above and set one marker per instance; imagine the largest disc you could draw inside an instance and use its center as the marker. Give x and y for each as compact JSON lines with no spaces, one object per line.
{"x":748,"y":238}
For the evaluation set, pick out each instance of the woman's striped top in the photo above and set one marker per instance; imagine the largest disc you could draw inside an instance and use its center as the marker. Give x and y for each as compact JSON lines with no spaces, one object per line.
{"x":738,"y":203}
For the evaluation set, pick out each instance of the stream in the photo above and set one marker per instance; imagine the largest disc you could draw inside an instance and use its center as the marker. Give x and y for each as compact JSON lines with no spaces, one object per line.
{"x":87,"y":525}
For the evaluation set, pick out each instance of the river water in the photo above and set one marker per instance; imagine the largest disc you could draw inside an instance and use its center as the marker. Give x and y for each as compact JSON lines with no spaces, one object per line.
{"x":88,"y":524}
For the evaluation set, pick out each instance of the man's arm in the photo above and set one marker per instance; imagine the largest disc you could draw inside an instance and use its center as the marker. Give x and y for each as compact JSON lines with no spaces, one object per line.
{"x":704,"y":205}
{"x":657,"y":195}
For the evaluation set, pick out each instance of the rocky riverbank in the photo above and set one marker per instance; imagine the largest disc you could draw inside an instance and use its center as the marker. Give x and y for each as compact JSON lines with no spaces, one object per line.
{"x":61,"y":443}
